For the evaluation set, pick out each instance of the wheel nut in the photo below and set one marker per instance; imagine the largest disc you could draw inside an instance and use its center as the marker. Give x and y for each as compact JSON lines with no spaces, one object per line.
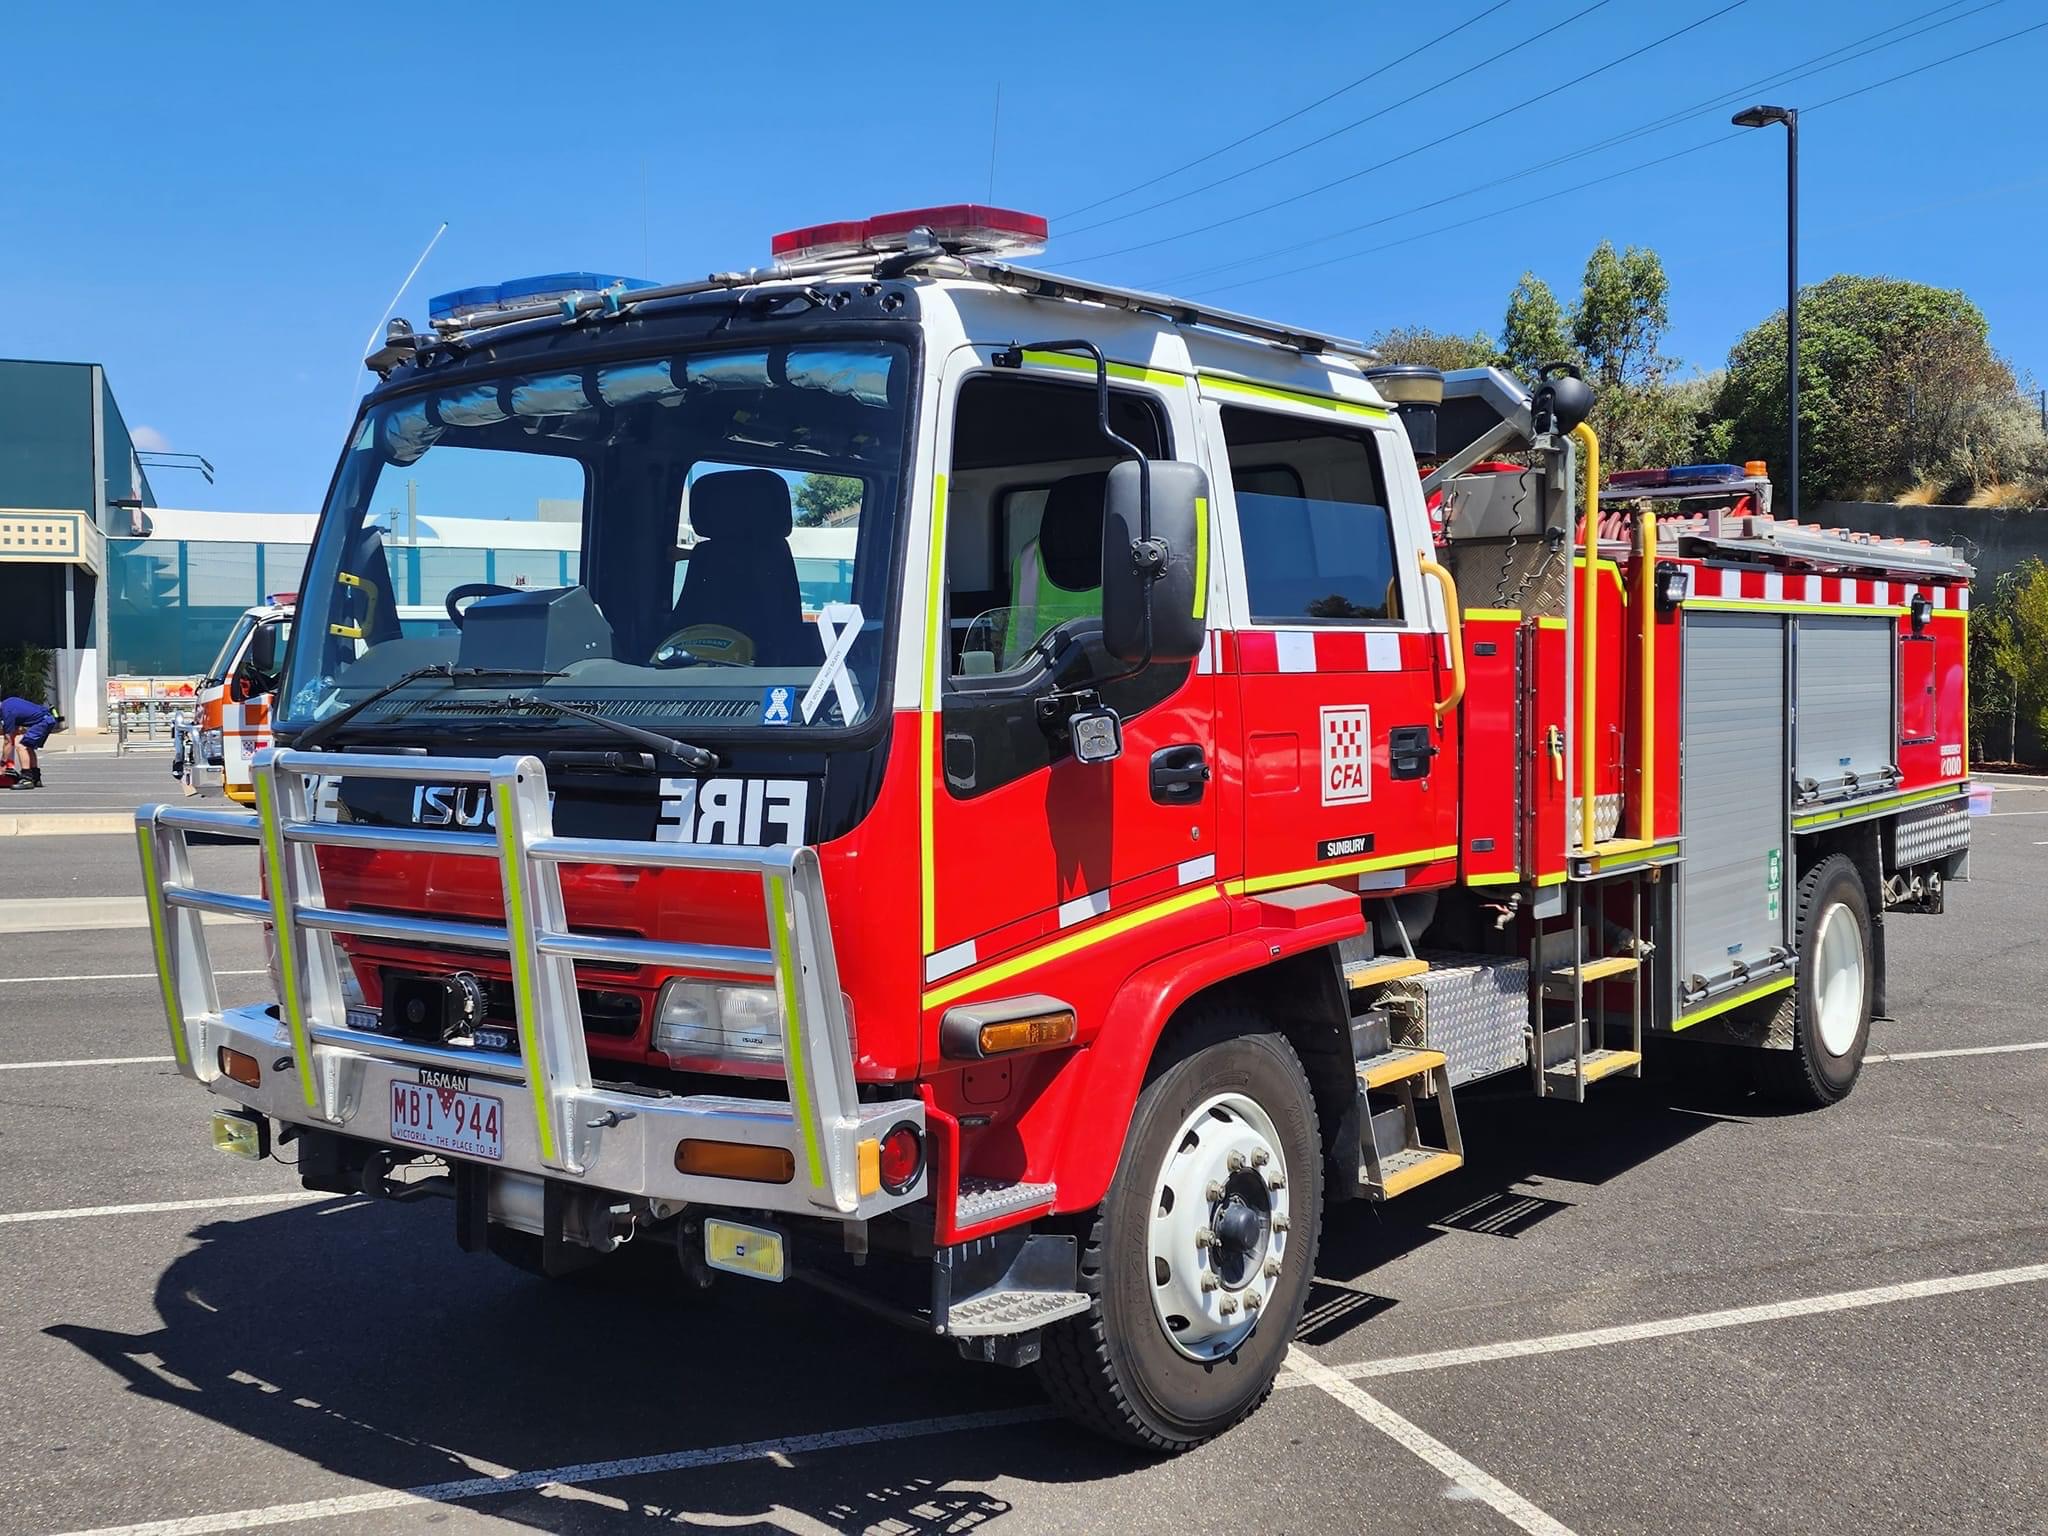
{"x":1271,"y":1268}
{"x":1261,"y":1157}
{"x":1204,"y":1238}
{"x":1227,"y":1306}
{"x":1280,"y":1223}
{"x":1276,"y":1181}
{"x":1236,"y":1162}
{"x":1251,"y":1301}
{"x":1214,"y":1193}
{"x":1209,"y":1282}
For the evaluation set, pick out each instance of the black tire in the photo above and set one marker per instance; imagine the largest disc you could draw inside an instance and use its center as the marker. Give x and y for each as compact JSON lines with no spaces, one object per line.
{"x":1810,"y":1076}
{"x":1114,"y":1369}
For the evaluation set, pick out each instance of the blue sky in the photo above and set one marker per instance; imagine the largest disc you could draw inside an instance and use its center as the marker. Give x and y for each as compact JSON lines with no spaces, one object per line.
{"x":217,"y":202}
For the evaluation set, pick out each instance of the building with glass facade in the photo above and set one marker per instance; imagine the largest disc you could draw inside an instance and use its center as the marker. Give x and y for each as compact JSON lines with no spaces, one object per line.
{"x":69,"y":479}
{"x":173,"y":596}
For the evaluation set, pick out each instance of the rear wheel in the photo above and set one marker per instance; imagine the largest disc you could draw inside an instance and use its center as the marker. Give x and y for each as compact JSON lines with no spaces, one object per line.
{"x":1198,"y":1263}
{"x":1828,"y":1009}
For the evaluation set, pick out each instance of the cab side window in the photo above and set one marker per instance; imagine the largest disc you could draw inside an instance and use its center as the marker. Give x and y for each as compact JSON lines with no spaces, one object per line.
{"x":1312,"y":510}
{"x":1024,"y":568}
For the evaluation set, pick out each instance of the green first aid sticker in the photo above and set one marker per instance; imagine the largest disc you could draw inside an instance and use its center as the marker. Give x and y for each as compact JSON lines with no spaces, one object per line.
{"x":1774,"y":883}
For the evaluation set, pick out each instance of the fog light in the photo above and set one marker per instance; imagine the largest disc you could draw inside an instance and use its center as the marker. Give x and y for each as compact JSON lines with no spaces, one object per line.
{"x":735,"y":1160}
{"x":241,"y":1135}
{"x":902,"y":1159}
{"x":1098,"y":735}
{"x":240,"y":1067}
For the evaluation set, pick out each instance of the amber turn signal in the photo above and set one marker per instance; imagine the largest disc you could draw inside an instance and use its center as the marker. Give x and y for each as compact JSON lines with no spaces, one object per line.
{"x":240,"y":1067}
{"x":1027,"y":1034}
{"x":735,"y":1160}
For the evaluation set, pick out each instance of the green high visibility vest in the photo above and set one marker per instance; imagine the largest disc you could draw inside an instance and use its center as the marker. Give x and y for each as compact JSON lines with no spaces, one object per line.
{"x":1039,"y":604}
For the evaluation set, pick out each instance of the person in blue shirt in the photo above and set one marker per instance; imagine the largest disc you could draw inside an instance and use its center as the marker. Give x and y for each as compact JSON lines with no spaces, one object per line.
{"x":25,"y":727}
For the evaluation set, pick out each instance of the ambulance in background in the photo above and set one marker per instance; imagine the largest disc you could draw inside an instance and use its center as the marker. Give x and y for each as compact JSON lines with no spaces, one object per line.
{"x":235,"y":696}
{"x":233,"y":713}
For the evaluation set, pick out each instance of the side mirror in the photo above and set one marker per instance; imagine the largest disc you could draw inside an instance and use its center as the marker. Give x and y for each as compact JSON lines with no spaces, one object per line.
{"x":261,"y":658}
{"x":1137,"y":605}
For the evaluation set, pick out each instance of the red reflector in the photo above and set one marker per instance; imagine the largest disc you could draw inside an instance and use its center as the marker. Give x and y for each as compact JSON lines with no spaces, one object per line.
{"x":962,"y":228}
{"x":902,"y":1157}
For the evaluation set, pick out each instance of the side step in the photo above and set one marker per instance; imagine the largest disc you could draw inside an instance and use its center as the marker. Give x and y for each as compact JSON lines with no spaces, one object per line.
{"x":1360,"y":974}
{"x":1005,"y":1312}
{"x":986,"y":1199}
{"x":1393,"y":1158}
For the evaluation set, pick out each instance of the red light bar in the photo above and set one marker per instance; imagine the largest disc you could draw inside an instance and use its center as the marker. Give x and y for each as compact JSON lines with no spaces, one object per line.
{"x":962,"y":228}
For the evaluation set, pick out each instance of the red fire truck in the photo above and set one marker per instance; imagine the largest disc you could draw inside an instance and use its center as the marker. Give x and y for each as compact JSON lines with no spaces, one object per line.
{"x":1032,"y":922}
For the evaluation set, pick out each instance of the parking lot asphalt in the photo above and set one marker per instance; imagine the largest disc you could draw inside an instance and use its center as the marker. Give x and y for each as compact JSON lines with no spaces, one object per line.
{"x":1670,"y":1309}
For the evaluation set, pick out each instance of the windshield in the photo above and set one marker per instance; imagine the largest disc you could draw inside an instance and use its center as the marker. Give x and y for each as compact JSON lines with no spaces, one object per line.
{"x":230,"y":649}
{"x":683,"y":543}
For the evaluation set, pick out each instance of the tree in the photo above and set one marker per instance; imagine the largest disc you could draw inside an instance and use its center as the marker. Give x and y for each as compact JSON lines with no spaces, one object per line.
{"x":1897,"y":385}
{"x":822,"y":500}
{"x":1533,"y":331}
{"x":2009,"y":659}
{"x":1434,"y":349}
{"x":1621,"y":315}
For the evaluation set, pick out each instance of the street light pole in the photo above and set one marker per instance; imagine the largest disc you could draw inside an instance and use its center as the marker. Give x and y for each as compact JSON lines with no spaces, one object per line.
{"x":1759,"y":117}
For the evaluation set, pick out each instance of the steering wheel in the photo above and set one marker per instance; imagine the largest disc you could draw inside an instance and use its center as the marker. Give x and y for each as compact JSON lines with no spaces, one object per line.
{"x":470,"y":589}
{"x":704,"y":645}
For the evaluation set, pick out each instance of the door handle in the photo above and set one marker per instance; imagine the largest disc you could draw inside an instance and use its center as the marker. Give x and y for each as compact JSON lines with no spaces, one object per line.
{"x":1178,"y":774}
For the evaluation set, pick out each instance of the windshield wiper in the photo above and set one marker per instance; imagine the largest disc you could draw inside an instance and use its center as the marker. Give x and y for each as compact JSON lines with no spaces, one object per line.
{"x":698,"y":759}
{"x":320,"y":730}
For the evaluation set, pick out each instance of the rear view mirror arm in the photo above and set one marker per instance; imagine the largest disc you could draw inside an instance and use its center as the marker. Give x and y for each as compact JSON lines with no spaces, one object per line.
{"x":1146,"y":554}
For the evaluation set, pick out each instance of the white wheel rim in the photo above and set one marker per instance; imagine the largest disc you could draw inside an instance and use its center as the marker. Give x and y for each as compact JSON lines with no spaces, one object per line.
{"x":1838,"y":980}
{"x":1216,"y":1244}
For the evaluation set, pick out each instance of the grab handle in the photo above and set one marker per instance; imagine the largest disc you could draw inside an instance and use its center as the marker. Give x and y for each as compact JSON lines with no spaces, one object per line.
{"x":1455,"y":634}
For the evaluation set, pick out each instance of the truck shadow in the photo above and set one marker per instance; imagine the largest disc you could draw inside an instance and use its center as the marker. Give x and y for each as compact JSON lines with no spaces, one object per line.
{"x":354,"y":1335}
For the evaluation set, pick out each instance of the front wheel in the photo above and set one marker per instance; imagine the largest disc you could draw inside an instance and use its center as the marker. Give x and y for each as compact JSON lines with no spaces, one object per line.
{"x":1198,"y":1263}
{"x":1828,"y":1009}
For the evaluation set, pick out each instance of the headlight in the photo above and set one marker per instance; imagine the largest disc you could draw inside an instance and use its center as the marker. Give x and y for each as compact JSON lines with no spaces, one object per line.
{"x":711,"y":1019}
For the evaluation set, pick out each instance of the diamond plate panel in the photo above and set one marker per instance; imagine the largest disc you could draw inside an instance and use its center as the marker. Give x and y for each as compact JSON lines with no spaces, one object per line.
{"x":1924,"y":835}
{"x":1473,"y":1008}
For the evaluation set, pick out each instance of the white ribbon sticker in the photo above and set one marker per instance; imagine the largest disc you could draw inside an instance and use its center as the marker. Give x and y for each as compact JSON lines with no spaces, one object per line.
{"x":838,"y":626}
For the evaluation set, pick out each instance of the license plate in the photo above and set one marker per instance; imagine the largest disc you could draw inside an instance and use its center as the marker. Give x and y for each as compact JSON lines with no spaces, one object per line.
{"x":448,"y":1120}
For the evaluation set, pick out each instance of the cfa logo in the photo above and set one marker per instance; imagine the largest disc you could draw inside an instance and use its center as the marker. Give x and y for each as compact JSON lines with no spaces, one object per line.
{"x":1347,"y":753}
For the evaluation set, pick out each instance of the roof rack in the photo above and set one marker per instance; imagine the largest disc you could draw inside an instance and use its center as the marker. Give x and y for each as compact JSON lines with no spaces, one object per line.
{"x":1052,"y":285}
{"x":1001,"y":274}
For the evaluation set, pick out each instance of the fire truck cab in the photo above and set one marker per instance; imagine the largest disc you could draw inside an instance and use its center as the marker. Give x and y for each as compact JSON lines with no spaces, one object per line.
{"x":1021,"y":808}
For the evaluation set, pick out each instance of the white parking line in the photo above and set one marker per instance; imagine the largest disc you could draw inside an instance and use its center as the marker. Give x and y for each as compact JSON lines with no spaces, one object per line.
{"x":1481,"y":1484}
{"x":85,"y":1061}
{"x":1960,"y":1050}
{"x":1698,"y":1322}
{"x":6,"y":981}
{"x":152,"y":1207}
{"x":469,"y":1488}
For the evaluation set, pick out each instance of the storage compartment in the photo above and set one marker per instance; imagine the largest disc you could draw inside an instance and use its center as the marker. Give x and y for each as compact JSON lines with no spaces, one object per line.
{"x":1734,"y":901}
{"x":1844,"y":730}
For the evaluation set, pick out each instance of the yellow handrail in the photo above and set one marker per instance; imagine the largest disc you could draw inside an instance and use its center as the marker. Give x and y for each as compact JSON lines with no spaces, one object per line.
{"x":1454,"y":618}
{"x":1589,"y":625}
{"x":1646,"y":669}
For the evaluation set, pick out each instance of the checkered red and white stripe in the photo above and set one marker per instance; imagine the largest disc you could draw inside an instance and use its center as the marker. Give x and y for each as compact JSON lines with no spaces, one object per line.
{"x":1749,"y":584}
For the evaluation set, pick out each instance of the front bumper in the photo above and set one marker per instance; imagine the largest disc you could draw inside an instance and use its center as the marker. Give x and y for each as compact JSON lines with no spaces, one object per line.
{"x":319,"y":1071}
{"x":625,"y":1143}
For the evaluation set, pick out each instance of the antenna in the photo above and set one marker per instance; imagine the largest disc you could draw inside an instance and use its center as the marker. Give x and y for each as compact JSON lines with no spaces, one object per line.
{"x":994,"y":128}
{"x":377,"y":330}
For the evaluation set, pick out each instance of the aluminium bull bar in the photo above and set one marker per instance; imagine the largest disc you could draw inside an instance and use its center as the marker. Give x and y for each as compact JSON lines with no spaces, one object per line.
{"x":563,"y":1125}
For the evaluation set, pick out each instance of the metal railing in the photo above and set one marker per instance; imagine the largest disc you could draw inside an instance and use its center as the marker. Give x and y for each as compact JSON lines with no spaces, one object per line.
{"x":552,"y":1063}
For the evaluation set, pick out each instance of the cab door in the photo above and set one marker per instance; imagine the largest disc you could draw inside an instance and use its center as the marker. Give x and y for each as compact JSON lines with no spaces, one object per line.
{"x":1027,"y":842}
{"x":1339,"y":645}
